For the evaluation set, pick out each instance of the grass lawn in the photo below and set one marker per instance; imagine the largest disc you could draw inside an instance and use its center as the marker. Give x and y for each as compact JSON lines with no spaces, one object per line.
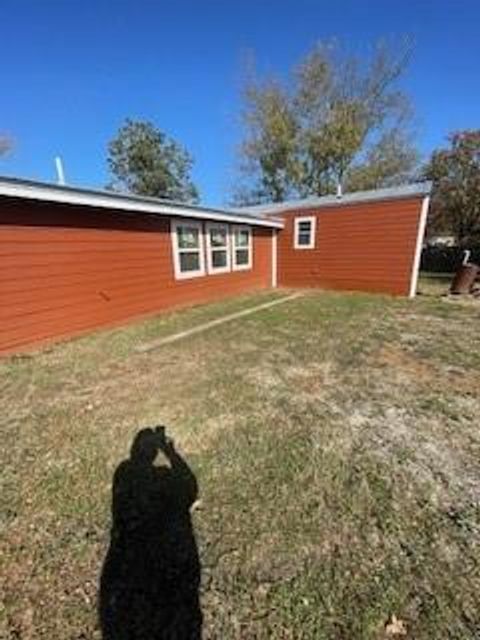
{"x":336,"y":444}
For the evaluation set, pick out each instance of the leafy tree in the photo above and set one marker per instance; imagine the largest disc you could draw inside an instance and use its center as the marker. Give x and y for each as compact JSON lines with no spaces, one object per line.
{"x":270,"y":147}
{"x":143,"y":160}
{"x":388,"y":162}
{"x":455,"y":172}
{"x":337,"y":119}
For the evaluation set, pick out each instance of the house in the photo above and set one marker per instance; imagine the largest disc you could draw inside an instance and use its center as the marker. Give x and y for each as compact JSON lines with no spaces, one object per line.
{"x":362,"y":241}
{"x":73,"y":260}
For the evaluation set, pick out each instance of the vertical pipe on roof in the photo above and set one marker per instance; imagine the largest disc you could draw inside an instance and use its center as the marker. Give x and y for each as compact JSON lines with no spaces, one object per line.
{"x":60,"y":171}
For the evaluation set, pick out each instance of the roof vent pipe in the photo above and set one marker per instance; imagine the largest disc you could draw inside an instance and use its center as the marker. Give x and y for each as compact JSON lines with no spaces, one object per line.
{"x":339,"y":190}
{"x":60,"y":171}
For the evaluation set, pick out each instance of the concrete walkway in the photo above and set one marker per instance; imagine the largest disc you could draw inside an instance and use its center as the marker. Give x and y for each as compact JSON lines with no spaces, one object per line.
{"x":213,"y":323}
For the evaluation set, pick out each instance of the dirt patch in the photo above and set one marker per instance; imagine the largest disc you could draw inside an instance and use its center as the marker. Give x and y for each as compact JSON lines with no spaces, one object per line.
{"x":405,"y":363}
{"x":409,"y":367}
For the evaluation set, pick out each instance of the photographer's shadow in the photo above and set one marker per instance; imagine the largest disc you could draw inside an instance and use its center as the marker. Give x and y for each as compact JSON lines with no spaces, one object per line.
{"x":150,"y":579}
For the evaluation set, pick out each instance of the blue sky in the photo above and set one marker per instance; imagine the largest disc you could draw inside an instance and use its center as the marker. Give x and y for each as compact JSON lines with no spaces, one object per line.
{"x":72,"y":70}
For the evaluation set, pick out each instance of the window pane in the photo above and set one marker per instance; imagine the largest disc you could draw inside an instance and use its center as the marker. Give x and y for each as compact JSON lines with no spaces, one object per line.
{"x":304,"y":238}
{"x":188,"y":237}
{"x":241,"y":256}
{"x":242,"y":238}
{"x":219,"y":259}
{"x":189,"y":261}
{"x":304,"y":226}
{"x":218,"y":237}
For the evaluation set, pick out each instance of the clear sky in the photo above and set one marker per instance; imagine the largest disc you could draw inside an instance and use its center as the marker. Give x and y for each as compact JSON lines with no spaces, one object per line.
{"x":72,"y":70}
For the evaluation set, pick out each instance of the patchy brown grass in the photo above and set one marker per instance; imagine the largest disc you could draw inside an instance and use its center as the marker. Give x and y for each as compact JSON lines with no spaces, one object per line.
{"x":335,"y":440}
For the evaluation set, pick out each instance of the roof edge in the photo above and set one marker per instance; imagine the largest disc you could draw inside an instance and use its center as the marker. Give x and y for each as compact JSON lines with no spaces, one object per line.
{"x":420,"y":189}
{"x":129,"y":203}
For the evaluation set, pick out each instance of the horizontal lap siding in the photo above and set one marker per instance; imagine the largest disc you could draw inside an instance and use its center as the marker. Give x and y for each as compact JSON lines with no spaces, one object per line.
{"x":365,"y":247}
{"x":80,"y":270}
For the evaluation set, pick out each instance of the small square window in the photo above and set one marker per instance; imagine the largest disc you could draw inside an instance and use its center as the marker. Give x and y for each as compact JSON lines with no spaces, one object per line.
{"x":218,"y":237}
{"x":189,"y":262}
{"x":304,"y":233}
{"x":188,"y":237}
{"x":219,"y":259}
{"x":241,"y":256}
{"x":242,"y":238}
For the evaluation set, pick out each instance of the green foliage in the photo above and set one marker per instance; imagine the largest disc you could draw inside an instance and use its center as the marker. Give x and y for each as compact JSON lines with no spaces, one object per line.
{"x":338,"y":118}
{"x":271,"y":145}
{"x":455,"y":172}
{"x":390,"y":161}
{"x":143,"y":160}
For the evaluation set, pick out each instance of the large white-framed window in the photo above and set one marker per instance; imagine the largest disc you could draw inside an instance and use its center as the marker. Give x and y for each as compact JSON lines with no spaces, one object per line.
{"x":241,"y":247}
{"x":188,"y":249}
{"x":218,"y":247}
{"x":304,"y":232}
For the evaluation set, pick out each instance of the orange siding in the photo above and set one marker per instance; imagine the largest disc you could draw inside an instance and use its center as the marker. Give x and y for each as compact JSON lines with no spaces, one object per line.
{"x":366,"y":247}
{"x":66,"y":270}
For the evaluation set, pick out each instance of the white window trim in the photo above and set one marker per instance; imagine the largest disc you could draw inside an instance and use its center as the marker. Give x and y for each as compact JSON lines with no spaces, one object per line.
{"x":179,"y":274}
{"x":211,"y":269}
{"x":242,"y":267}
{"x":313,"y":229}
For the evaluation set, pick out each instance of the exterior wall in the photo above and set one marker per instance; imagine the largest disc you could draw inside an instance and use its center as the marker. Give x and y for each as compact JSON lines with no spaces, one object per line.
{"x":66,"y":270}
{"x":364,"y":247}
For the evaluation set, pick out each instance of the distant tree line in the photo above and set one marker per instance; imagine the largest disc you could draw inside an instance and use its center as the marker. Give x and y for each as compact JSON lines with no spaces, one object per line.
{"x":455,"y":172}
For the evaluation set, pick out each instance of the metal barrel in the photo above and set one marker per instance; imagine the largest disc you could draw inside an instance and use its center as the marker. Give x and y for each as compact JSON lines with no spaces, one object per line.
{"x":464,"y":279}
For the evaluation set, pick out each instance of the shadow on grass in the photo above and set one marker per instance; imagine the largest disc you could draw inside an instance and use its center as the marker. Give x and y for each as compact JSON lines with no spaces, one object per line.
{"x":151,"y":574}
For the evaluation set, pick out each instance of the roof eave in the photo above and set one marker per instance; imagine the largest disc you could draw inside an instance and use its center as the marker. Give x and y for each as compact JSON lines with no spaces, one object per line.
{"x":45,"y":192}
{"x":422,"y":190}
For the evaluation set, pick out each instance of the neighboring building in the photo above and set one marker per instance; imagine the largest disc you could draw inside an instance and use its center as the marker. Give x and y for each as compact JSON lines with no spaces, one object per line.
{"x":73,"y":260}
